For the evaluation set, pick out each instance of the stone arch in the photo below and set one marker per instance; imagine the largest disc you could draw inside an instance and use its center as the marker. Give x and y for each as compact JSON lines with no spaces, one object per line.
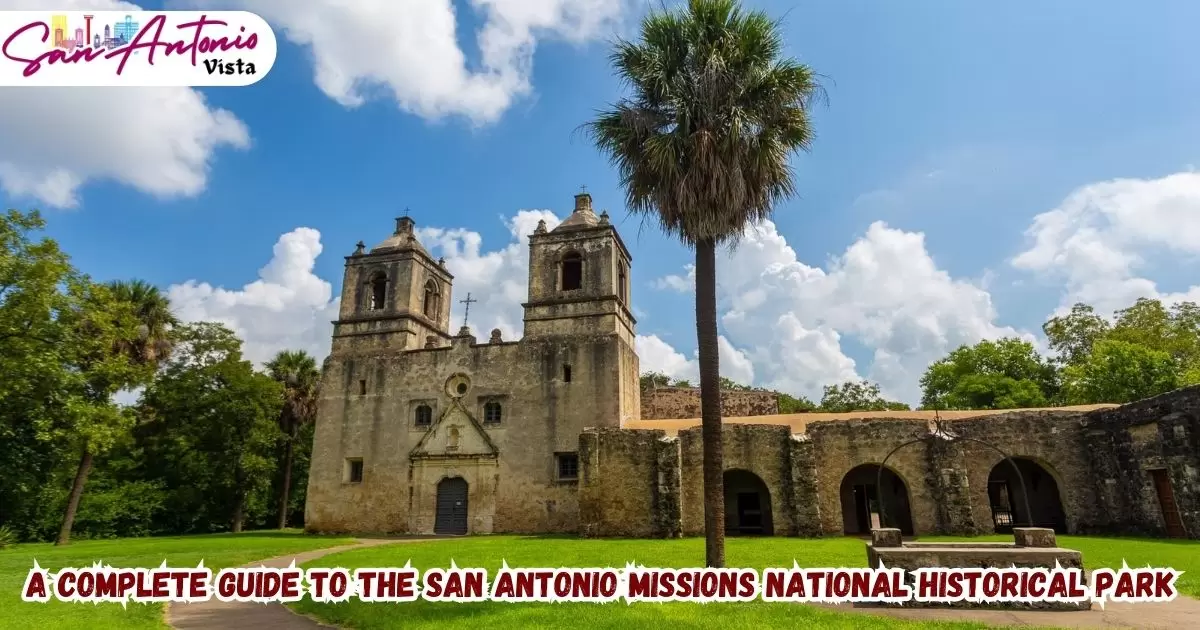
{"x":747,"y":504}
{"x":432,"y":303}
{"x":860,"y":509}
{"x":1007,"y":501}
{"x":377,"y":291}
{"x":570,"y":271}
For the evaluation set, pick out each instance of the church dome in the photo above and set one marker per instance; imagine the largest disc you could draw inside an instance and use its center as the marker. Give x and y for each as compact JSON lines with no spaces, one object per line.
{"x":582,"y":217}
{"x":402,"y":239}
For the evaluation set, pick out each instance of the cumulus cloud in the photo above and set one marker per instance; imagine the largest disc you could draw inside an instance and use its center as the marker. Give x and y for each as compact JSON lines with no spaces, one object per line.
{"x":160,"y":141}
{"x":1100,"y":238}
{"x":656,"y":355}
{"x":885,"y":291}
{"x":287,"y":308}
{"x":413,"y":54}
{"x":498,"y":279}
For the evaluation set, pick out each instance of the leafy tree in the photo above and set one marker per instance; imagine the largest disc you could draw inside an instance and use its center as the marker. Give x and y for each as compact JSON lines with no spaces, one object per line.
{"x":702,"y":145}
{"x":212,"y":422}
{"x":297,"y":372}
{"x":1004,"y":374}
{"x":1119,"y":372}
{"x":38,"y":287}
{"x":857,"y":396}
{"x":1072,"y":335}
{"x":141,"y":342}
{"x":1174,"y":330}
{"x":651,"y":380}
{"x":793,"y":404}
{"x":99,"y":327}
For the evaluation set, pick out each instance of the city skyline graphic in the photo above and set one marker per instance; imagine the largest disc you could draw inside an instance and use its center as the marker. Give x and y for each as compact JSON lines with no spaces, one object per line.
{"x":90,"y":33}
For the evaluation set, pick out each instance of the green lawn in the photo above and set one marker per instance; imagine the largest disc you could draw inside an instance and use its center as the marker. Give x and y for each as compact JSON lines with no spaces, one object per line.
{"x":217,"y":551}
{"x":487,"y":552}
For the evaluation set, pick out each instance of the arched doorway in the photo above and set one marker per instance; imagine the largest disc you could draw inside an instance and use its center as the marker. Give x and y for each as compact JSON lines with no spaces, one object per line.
{"x":747,"y":505}
{"x":860,"y":501}
{"x":451,"y":507}
{"x":1008,"y":506}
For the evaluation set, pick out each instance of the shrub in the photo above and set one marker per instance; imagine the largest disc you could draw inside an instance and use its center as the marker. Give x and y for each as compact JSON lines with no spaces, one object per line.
{"x":8,"y":536}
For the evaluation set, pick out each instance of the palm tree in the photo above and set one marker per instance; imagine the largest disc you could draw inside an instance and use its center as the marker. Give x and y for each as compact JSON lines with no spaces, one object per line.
{"x":702,"y":145}
{"x":149,"y":348}
{"x":298,"y":373}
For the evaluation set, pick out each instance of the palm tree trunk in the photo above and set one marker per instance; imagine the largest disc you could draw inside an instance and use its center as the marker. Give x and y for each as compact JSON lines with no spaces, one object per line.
{"x":85,"y":466}
{"x":286,"y":491}
{"x":710,"y":403}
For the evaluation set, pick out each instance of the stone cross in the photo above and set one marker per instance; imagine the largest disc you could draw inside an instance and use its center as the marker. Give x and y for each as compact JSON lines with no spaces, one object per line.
{"x":583,"y":188}
{"x":467,"y":313}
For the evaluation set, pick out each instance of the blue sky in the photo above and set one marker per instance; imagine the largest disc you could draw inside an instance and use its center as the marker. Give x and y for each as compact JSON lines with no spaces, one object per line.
{"x":957,"y":121}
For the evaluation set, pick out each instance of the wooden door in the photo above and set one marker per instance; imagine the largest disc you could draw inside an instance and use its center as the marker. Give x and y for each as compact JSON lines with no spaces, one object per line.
{"x":1166,"y":500}
{"x":451,"y":507}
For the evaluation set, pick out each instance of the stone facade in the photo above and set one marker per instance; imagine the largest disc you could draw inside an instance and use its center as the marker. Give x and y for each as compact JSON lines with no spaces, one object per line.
{"x":423,"y":431}
{"x":408,"y":412}
{"x":668,"y":403}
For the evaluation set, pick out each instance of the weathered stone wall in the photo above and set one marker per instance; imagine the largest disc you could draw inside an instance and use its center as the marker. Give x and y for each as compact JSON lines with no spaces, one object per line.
{"x":757,"y":448}
{"x":626,"y":487}
{"x":1051,"y":439}
{"x":841,"y":446}
{"x":1125,"y":444}
{"x":669,"y":403}
{"x":542,"y":415}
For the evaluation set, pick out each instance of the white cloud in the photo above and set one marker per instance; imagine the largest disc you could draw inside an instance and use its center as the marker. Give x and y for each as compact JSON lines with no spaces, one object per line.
{"x":885,"y":290}
{"x":409,"y":48}
{"x":498,"y":279}
{"x":681,"y":283}
{"x":656,"y":355}
{"x":157,"y":140}
{"x":1099,"y":238}
{"x":286,"y":308}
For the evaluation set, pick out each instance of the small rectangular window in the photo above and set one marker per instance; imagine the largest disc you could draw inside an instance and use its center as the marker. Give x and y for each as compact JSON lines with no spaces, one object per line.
{"x":354,"y":470}
{"x":362,"y":388}
{"x":568,"y":466}
{"x":566,"y":374}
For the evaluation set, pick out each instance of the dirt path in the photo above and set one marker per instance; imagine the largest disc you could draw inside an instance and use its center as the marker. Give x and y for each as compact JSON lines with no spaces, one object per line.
{"x":215,"y":615}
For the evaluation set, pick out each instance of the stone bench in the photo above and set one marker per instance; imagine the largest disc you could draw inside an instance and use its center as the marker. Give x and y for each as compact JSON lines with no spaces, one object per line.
{"x":1032,"y":547}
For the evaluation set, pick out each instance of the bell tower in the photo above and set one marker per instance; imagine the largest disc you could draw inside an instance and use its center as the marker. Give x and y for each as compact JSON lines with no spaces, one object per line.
{"x":579,"y":277}
{"x":395,"y":296}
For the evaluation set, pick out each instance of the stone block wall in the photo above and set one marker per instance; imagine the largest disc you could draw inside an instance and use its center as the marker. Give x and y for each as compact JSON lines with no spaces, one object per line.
{"x":620,"y":479}
{"x":761,"y":449}
{"x":1126,"y":445}
{"x":672,"y":403}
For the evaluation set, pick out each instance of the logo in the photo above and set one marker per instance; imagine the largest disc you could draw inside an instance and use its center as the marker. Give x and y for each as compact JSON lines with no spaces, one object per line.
{"x":134,"y":49}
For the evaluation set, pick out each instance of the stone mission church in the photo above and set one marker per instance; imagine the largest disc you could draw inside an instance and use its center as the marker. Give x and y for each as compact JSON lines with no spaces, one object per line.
{"x":423,"y":431}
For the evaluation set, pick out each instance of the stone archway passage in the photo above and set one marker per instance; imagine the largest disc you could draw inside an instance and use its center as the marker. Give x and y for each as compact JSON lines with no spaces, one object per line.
{"x":860,"y":501}
{"x":747,"y":505}
{"x":1008,"y":505}
{"x":451,"y":507}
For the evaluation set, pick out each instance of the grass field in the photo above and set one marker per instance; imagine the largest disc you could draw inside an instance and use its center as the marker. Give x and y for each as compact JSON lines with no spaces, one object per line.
{"x":217,"y":551}
{"x":487,"y":552}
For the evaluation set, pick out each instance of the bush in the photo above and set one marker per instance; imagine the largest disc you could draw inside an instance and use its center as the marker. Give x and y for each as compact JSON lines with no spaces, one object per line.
{"x":8,"y":536}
